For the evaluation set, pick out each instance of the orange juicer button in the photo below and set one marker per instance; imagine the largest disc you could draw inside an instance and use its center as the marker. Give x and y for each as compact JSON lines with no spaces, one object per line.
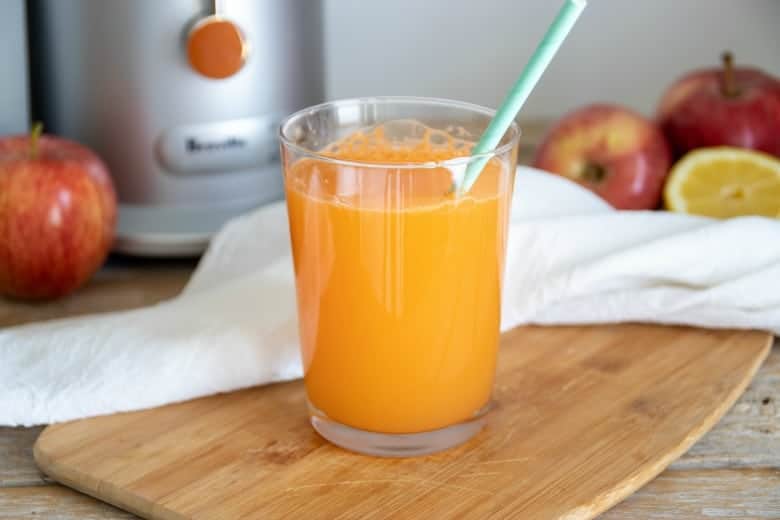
{"x":216,"y":48}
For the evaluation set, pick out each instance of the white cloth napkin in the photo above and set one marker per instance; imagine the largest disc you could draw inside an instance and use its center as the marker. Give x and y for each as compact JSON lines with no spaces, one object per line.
{"x":571,"y":259}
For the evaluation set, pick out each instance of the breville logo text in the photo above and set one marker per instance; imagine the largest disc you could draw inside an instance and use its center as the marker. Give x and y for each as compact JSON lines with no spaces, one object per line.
{"x":195,"y":146}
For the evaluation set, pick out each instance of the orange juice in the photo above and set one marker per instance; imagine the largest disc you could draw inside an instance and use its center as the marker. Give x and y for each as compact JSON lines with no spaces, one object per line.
{"x":398,"y":281}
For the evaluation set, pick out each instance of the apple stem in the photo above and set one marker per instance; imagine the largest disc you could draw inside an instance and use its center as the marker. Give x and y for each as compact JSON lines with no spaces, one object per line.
{"x":35,"y":135}
{"x":729,"y":85}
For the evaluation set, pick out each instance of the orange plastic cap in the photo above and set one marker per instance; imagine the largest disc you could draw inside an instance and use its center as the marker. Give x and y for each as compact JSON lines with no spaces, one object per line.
{"x":216,"y":48}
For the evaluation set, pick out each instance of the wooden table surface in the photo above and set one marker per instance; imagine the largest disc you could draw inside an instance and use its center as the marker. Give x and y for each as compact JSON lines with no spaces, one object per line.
{"x":733,"y":472}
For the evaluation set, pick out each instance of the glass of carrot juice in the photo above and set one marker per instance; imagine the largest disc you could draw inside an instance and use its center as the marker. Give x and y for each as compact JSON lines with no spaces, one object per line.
{"x":398,"y":271}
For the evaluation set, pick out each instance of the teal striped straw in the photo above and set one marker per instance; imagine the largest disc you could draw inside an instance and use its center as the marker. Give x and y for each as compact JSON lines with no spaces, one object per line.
{"x":522,"y":88}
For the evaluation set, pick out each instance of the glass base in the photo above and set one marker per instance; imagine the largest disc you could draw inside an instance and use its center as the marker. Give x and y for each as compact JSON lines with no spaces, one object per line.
{"x":396,"y":444}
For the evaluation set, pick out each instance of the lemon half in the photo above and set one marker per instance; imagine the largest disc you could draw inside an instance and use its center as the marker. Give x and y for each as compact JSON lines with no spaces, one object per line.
{"x":725,"y":182}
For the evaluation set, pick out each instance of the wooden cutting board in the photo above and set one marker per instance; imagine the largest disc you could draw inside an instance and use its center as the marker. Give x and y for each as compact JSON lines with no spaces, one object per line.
{"x":584,"y":416}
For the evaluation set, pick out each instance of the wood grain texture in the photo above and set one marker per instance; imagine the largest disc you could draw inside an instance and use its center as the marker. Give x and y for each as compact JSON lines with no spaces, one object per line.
{"x":704,"y":494}
{"x":673,"y":495}
{"x":54,"y":502}
{"x":16,"y":457}
{"x":749,"y":435}
{"x":677,"y":495}
{"x":584,"y":417}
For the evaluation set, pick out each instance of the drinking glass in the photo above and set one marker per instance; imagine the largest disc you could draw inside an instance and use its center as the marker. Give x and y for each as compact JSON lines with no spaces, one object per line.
{"x":398,"y":271}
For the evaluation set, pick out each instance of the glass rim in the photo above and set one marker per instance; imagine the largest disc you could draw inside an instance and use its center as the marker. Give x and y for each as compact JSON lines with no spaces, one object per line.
{"x":455,"y":161}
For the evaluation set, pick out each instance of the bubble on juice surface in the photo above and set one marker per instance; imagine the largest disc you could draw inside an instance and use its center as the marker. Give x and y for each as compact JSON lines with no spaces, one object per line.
{"x":421,"y":178}
{"x":401,"y":141}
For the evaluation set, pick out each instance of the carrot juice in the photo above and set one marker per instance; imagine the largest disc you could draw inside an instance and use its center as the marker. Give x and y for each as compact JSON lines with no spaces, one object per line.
{"x":398,"y":279}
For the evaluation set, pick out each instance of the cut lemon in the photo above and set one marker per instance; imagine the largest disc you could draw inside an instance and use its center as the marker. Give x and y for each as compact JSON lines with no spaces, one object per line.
{"x":725,"y":182}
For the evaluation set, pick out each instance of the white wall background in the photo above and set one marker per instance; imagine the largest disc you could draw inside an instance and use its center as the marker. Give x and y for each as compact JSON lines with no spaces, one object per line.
{"x":624,"y":51}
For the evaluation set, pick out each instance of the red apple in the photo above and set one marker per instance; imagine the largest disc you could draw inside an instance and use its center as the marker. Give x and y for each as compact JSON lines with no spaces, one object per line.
{"x":716,"y":107}
{"x":612,"y":151}
{"x":57,"y":216}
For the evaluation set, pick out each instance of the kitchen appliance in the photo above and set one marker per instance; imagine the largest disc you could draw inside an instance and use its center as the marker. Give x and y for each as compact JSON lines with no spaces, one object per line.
{"x":14,"y":98}
{"x":181,"y":98}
